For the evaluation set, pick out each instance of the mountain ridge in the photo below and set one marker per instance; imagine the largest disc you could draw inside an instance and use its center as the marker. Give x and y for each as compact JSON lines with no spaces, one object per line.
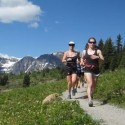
{"x":10,"y":64}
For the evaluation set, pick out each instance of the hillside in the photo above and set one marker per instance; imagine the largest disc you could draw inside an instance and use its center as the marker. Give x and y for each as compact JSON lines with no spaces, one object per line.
{"x":24,"y":106}
{"x":21,"y":105}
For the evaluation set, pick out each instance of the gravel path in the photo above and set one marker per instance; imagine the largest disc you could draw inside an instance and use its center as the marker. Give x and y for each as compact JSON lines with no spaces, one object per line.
{"x":106,"y":114}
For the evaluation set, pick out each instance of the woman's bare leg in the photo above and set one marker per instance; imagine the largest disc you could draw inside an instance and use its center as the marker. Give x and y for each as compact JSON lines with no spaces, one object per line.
{"x":94,"y":84}
{"x":74,"y":80}
{"x":89,"y":84}
{"x":69,"y":81}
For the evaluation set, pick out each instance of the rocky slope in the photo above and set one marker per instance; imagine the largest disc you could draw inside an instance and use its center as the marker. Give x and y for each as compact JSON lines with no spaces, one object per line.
{"x":28,"y":63}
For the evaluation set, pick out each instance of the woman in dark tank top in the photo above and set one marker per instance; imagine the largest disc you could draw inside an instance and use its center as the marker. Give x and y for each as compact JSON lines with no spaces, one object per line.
{"x":92,"y":65}
{"x":71,"y":57}
{"x":90,"y":58}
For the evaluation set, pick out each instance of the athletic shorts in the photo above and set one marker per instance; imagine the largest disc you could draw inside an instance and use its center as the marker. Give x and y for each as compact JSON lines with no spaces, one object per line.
{"x":94,"y":72}
{"x":71,"y":70}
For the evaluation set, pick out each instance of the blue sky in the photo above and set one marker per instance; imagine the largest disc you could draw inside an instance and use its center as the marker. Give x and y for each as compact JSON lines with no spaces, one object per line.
{"x":36,"y":27}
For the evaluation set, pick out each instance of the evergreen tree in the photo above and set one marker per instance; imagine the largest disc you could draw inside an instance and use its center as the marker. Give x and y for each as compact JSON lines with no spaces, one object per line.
{"x":26,"y":80}
{"x":119,"y":43}
{"x":108,"y":52}
{"x":101,"y":63}
{"x":4,"y":79}
{"x":118,"y":49}
{"x":101,"y":44}
{"x":113,"y":64}
{"x":122,"y":62}
{"x":123,"y":50}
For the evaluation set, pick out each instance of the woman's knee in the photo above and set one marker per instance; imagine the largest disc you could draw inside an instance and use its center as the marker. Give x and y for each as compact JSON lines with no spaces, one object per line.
{"x":90,"y":84}
{"x":74,"y":78}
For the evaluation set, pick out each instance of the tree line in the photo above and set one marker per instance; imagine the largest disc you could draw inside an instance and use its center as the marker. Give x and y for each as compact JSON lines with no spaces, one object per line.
{"x":114,"y":53}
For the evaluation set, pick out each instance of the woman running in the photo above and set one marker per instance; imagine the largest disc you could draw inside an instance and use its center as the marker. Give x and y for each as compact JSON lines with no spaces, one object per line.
{"x":71,"y":57}
{"x":90,"y":57}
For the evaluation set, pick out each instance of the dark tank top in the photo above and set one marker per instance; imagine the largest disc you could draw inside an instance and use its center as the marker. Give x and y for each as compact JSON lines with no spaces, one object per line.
{"x":90,"y":61}
{"x":73,"y":60}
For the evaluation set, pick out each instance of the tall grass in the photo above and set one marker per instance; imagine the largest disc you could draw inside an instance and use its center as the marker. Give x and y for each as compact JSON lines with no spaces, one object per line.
{"x":111,"y":87}
{"x":24,"y":104}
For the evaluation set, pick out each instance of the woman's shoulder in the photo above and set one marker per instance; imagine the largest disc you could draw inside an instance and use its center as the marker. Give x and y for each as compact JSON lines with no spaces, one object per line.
{"x":98,"y":50}
{"x":84,"y":51}
{"x":65,"y":53}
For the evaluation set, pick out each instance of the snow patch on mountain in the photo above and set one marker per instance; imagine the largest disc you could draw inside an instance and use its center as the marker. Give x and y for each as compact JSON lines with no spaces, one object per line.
{"x":29,"y":64}
{"x":6,"y":62}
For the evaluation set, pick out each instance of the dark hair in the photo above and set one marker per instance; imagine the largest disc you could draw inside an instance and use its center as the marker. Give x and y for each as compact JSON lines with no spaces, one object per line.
{"x":92,"y":38}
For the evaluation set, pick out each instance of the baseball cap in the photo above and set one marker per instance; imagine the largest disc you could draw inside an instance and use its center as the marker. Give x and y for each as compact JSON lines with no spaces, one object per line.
{"x":71,"y":43}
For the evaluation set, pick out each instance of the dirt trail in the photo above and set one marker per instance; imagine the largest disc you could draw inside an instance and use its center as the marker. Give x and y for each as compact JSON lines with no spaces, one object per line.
{"x":106,"y":114}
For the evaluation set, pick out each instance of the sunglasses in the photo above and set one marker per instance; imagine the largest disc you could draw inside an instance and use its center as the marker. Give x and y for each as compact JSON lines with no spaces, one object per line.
{"x":71,"y":44}
{"x":92,"y":42}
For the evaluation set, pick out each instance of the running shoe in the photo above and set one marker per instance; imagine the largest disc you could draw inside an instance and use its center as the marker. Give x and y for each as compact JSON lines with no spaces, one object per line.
{"x":69,"y":97}
{"x":73,"y":92}
{"x":90,"y":103}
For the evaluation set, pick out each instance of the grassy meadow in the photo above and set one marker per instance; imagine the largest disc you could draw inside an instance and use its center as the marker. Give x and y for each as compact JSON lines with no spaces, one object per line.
{"x":23,"y":105}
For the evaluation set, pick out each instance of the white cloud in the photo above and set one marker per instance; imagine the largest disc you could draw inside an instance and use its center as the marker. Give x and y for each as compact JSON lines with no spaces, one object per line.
{"x":19,"y":11}
{"x":12,"y":3}
{"x":34,"y":25}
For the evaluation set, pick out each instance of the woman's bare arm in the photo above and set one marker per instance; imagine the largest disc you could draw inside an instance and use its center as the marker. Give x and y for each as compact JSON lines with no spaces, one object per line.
{"x":83,"y":58}
{"x":64,"y":57}
{"x":100,"y":55}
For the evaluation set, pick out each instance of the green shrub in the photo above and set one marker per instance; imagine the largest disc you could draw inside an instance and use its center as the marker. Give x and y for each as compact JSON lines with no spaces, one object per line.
{"x":4,"y":80}
{"x":26,"y":80}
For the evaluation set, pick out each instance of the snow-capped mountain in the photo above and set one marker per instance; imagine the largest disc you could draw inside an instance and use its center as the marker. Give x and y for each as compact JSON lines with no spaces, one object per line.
{"x":6,"y":62}
{"x":28,"y":63}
